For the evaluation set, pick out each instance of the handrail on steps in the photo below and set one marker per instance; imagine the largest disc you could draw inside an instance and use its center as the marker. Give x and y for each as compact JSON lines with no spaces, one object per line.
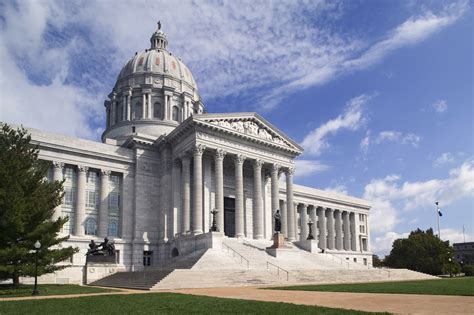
{"x":235,"y":252}
{"x":278,"y":270}
{"x":340,"y":259}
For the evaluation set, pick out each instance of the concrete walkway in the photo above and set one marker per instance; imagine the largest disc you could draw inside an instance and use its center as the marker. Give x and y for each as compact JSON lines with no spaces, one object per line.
{"x":370,"y":302}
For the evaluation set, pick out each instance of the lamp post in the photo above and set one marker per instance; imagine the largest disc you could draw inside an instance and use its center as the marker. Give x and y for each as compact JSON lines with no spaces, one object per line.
{"x":35,"y":288}
{"x":214,"y":227}
{"x":310,"y":234}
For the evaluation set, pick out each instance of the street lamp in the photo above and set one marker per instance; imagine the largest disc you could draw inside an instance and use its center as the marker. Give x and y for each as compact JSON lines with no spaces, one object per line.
{"x":35,"y":288}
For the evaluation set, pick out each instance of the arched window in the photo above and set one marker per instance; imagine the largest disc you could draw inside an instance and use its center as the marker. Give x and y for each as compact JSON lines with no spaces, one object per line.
{"x":175,"y":113}
{"x":113,"y":228}
{"x":91,"y":227}
{"x":157,"y":110}
{"x":138,"y":110}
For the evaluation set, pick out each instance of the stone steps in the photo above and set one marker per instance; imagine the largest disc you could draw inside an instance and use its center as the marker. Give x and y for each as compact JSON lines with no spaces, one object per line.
{"x":142,"y":280}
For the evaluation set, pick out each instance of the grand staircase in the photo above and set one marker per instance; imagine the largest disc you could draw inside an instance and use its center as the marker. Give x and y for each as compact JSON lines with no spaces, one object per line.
{"x":245,"y":263}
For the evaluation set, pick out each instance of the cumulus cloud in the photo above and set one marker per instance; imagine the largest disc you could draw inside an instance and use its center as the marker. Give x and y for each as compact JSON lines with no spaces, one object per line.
{"x":339,"y":189}
{"x":351,"y":119}
{"x":397,"y":136}
{"x":305,"y":168}
{"x":443,"y":159}
{"x":440,"y":106}
{"x":388,"y":196}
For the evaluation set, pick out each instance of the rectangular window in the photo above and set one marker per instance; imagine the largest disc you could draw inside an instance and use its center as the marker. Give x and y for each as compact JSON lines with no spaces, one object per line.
{"x":114,"y":202}
{"x":355,"y":260}
{"x":362,"y":229}
{"x":92,"y":199}
{"x":147,"y":257}
{"x":70,"y":176}
{"x":365,"y":261}
{"x":69,"y":197}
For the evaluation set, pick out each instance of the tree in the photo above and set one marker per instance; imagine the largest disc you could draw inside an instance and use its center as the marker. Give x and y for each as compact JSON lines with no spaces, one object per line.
{"x":376,"y":261}
{"x":27,"y":202}
{"x":424,"y":252}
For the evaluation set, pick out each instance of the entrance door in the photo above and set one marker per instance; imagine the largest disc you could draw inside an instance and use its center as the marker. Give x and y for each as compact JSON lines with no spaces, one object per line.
{"x":229,"y":217}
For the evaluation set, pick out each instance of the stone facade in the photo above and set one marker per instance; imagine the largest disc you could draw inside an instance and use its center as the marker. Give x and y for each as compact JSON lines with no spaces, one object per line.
{"x":151,"y":186}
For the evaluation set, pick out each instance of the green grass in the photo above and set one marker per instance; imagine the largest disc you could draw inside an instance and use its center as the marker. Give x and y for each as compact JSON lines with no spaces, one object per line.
{"x":6,"y":290}
{"x":457,"y":286}
{"x":159,"y":303}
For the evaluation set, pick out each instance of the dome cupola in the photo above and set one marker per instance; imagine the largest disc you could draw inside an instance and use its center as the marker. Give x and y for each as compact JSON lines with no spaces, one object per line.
{"x":155,"y":91}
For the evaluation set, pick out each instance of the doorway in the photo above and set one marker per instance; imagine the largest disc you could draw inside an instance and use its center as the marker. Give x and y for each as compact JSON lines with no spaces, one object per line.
{"x":229,"y":217}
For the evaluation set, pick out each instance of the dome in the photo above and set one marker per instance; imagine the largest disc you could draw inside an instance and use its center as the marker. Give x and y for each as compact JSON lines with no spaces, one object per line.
{"x":154,"y":92}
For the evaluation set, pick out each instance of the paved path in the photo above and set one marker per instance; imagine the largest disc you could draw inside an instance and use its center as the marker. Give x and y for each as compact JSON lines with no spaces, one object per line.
{"x":371,"y":302}
{"x":393,"y":303}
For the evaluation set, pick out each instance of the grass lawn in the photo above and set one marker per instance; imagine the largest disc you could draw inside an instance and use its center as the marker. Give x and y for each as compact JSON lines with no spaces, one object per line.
{"x":6,"y":290}
{"x":455,"y":286}
{"x":159,"y":303}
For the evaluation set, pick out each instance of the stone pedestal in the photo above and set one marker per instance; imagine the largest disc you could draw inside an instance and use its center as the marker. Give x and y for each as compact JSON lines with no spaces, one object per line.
{"x":279,"y":247}
{"x":309,"y":245}
{"x":278,"y":241}
{"x":96,"y":271}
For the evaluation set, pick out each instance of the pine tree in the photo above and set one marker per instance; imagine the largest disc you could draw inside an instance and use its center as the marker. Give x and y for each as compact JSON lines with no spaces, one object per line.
{"x":27,"y":202}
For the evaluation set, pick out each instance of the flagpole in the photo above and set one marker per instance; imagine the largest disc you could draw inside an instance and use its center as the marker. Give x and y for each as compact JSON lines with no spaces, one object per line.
{"x":437,"y":216}
{"x":463,"y":234}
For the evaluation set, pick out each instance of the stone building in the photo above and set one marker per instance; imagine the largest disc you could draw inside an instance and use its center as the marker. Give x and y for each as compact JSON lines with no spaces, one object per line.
{"x":165,"y":164}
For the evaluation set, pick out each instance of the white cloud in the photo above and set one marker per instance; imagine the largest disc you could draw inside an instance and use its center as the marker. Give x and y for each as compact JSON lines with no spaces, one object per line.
{"x":444,"y":158}
{"x":365,"y":143}
{"x":338,"y":189}
{"x":351,"y":119}
{"x":440,"y":106}
{"x":455,"y":236}
{"x":388,"y":196}
{"x":305,"y":168}
{"x":397,"y":136}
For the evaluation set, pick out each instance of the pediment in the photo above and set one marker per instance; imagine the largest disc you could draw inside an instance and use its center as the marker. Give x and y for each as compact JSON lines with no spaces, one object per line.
{"x":252,"y":125}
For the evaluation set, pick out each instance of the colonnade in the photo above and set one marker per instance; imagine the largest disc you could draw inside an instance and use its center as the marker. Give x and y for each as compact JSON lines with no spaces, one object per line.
{"x":191,"y":215}
{"x":80,"y":194}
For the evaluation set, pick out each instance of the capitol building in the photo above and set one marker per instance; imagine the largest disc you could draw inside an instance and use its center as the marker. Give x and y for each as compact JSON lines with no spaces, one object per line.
{"x":165,"y":164}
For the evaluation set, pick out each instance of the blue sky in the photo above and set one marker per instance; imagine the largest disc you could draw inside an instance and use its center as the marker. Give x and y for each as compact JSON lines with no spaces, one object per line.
{"x":379,"y":93}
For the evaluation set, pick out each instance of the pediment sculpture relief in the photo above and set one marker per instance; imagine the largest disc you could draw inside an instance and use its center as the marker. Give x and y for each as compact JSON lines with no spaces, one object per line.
{"x":250,"y":128}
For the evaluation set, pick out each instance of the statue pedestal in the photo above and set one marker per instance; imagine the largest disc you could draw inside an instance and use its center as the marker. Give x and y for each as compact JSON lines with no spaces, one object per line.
{"x":279,"y":247}
{"x":96,"y":271}
{"x":309,"y":245}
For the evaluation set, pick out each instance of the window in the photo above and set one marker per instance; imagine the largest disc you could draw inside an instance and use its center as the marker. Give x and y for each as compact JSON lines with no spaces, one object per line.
{"x":69,"y":197}
{"x":92,"y":178}
{"x":114,"y":201}
{"x":362,"y":229}
{"x":137,"y":113}
{"x":365,"y":261}
{"x":175,"y":113}
{"x":91,"y":227}
{"x":70,"y":176}
{"x":113,"y":228}
{"x":147,"y":256}
{"x":157,"y":110}
{"x":92,"y":199}
{"x":355,"y":260}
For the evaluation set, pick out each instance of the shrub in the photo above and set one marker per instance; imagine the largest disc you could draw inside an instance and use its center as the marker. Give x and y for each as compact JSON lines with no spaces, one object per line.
{"x":469,"y":270}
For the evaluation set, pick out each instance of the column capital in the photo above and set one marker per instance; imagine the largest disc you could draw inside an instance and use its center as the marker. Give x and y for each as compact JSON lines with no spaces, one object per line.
{"x":105,"y":173}
{"x":290,"y":171}
{"x":199,"y":149}
{"x":257,"y":164}
{"x":220,"y":154}
{"x":275,"y":168}
{"x":57,"y":164}
{"x":239,"y":159}
{"x":82,"y":168}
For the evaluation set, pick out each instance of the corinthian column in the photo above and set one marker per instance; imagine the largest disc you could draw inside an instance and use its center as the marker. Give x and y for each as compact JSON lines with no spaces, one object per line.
{"x":239,"y":195}
{"x":290,"y":206}
{"x":347,"y":231}
{"x":129,"y":110}
{"x":81,"y":200}
{"x":353,"y":231}
{"x":186,"y":218}
{"x":257,"y":200}
{"x":284,"y":216}
{"x":197,"y":185}
{"x":166,"y":191}
{"x":304,"y":221}
{"x":330,"y":217}
{"x":322,"y":227}
{"x":275,"y":188}
{"x":219,"y":169}
{"x":104,"y":205}
{"x":314,"y":219}
{"x":338,"y":229}
{"x":144,"y":105}
{"x":57,"y":177}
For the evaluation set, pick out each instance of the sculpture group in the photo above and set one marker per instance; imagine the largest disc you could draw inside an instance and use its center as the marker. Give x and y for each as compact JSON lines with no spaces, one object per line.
{"x":105,"y":248}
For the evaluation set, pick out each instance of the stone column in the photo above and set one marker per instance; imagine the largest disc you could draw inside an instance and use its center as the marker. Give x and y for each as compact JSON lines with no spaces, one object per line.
{"x":257,"y":200}
{"x":197,"y":185}
{"x":144,"y":105}
{"x":150,"y":113}
{"x":80,"y":200}
{"x":57,"y":176}
{"x":104,"y":204}
{"x":322,"y":227}
{"x":284,"y":216}
{"x":303,"y":208}
{"x":353,"y":231}
{"x":166,"y":186}
{"x":219,"y":169}
{"x":239,"y":195}
{"x":129,"y":106}
{"x":338,"y":216}
{"x":347,"y":233}
{"x":113,"y":110}
{"x":275,"y":188}
{"x":330,"y":227}
{"x":290,"y":206}
{"x":314,"y":219}
{"x":177,"y":209}
{"x":186,"y":218}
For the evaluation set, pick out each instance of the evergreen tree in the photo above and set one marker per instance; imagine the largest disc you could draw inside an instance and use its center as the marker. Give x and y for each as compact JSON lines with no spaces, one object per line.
{"x":27,"y":202}
{"x":422,"y":251}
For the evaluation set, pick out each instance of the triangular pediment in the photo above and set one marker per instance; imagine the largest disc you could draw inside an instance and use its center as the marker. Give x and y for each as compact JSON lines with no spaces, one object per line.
{"x":251,"y":125}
